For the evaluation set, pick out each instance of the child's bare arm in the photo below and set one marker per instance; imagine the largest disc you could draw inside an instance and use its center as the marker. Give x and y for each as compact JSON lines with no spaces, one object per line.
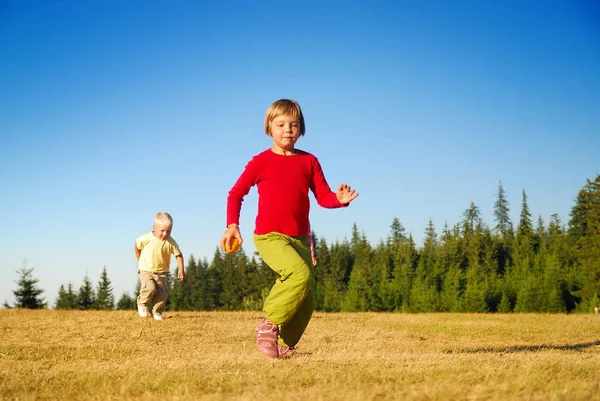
{"x":180,"y":271}
{"x":137,"y":251}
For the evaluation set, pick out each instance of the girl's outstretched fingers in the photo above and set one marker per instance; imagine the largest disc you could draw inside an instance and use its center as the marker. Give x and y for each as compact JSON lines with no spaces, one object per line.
{"x":346,"y":194}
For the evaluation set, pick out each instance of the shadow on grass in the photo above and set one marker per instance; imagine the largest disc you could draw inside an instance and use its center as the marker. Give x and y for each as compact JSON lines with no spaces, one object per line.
{"x":524,"y":348}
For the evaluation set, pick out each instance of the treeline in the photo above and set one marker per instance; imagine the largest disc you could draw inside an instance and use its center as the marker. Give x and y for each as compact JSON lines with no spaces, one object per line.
{"x":88,"y":297}
{"x":469,"y":267}
{"x":29,"y":295}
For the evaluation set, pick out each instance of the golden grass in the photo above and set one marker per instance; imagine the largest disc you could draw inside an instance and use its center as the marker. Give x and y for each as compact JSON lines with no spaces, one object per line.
{"x":93,"y":355}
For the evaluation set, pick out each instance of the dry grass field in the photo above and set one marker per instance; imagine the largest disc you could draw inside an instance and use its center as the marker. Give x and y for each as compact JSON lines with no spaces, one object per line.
{"x":92,"y":355}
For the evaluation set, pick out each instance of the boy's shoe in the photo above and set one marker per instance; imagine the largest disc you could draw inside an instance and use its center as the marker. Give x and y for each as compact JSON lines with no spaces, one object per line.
{"x":157,"y":316}
{"x":285,"y":351}
{"x":266,"y":338}
{"x":142,"y":311}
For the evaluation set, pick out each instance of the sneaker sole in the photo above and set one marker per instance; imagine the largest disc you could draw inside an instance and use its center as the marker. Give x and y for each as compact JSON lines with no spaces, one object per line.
{"x":285,"y":352}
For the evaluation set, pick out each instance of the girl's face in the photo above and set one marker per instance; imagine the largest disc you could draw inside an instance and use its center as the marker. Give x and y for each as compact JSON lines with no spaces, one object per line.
{"x":285,"y":131}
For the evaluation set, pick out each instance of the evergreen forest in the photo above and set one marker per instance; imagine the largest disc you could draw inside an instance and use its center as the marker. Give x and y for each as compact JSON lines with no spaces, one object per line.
{"x":529,"y":265}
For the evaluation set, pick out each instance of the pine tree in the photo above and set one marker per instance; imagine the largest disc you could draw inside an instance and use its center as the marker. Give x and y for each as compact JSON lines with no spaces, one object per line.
{"x":474,"y":297}
{"x":105,"y":299}
{"x":138,"y":288}
{"x":252,"y":289}
{"x":397,"y":234}
{"x":541,"y":266}
{"x":471,"y":221}
{"x":185,"y":295}
{"x":578,"y":224}
{"x":233,"y":277}
{"x":584,"y":232}
{"x":215,"y":278}
{"x":525,"y":228}
{"x":501,"y":214}
{"x":28,"y":293}
{"x":555,"y":230}
{"x":358,"y":295}
{"x":67,"y":299}
{"x":256,"y":287}
{"x":540,"y":235}
{"x":265,"y":278}
{"x":491,"y":279}
{"x":126,"y":302}
{"x":381,"y":289}
{"x":60,"y":299}
{"x":523,"y":253}
{"x":322,"y":272}
{"x":86,"y":294}
{"x":553,"y":286}
{"x":338,"y":261}
{"x":452,"y":259}
{"x":504,"y":306}
{"x":508,"y":287}
{"x":176,"y":287}
{"x":451,"y":296}
{"x":393,"y":296}
{"x":213,"y":284}
{"x":424,"y":294}
{"x":528,"y":295}
{"x":561,"y":267}
{"x":524,"y":262}
{"x":406,"y":258}
{"x":503,"y":232}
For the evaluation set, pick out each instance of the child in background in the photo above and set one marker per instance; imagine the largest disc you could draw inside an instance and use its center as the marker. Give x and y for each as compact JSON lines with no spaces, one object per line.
{"x":153,"y":251}
{"x":283,"y":176}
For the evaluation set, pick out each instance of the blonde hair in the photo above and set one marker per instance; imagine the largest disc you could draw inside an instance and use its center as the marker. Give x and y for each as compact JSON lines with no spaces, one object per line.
{"x":284,"y":107}
{"x":163,"y":218}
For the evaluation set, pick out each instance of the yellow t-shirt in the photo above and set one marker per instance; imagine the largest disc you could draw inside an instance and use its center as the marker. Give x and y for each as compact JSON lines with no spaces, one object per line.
{"x":155,"y":256}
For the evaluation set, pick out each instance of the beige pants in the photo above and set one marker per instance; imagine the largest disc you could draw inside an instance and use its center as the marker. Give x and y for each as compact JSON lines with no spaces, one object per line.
{"x":153,"y":291}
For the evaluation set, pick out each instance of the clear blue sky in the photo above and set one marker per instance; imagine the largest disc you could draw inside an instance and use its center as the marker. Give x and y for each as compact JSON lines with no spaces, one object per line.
{"x":111,"y":111}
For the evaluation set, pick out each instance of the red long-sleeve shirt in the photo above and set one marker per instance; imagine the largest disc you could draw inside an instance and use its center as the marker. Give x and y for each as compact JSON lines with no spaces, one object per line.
{"x":283,"y":183}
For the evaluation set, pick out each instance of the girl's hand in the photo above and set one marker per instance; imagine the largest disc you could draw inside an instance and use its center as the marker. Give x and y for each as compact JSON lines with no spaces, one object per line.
{"x":233,"y":231}
{"x":345,"y":194}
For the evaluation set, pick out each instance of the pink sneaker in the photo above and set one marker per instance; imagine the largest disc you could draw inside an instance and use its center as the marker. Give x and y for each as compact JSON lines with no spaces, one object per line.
{"x":285,"y":351}
{"x":266,"y":338}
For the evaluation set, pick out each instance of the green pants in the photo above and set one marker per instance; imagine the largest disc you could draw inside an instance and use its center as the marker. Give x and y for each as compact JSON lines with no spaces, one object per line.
{"x":291,"y":302}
